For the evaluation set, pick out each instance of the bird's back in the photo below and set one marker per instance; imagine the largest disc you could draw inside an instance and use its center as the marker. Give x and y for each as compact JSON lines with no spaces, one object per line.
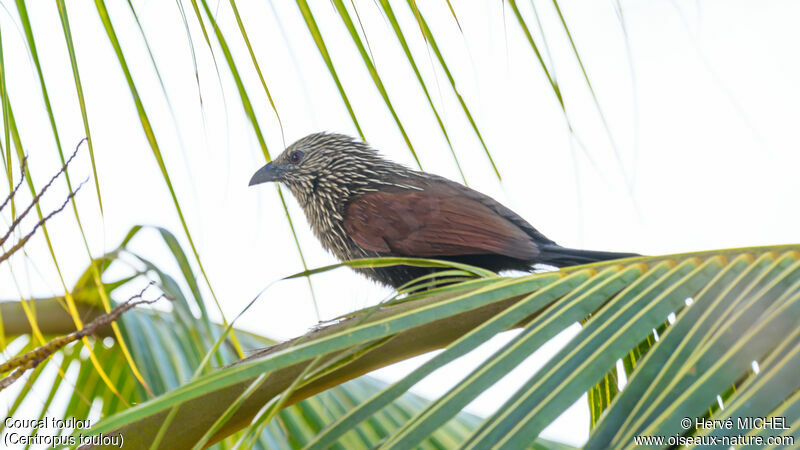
{"x":435,"y":217}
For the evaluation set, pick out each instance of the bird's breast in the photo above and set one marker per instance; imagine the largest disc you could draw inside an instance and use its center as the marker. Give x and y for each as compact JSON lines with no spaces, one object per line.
{"x":325,"y":216}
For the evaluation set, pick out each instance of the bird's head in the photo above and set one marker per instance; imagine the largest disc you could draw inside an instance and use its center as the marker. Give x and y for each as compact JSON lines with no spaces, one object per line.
{"x":325,"y":160}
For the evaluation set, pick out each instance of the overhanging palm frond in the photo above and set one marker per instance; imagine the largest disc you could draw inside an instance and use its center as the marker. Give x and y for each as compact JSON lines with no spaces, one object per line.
{"x":731,"y":307}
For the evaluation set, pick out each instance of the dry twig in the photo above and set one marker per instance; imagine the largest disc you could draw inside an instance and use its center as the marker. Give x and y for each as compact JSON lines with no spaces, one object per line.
{"x":33,"y":358}
{"x":22,"y":241}
{"x":22,"y":168}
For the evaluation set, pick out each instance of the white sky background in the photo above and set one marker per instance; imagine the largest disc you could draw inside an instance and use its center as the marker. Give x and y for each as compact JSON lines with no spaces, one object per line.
{"x":706,"y":134}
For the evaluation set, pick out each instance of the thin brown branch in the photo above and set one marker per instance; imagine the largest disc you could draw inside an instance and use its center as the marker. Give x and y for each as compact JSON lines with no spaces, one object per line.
{"x":22,"y":168}
{"x":31,"y":359}
{"x":38,"y":196}
{"x":21,"y":243}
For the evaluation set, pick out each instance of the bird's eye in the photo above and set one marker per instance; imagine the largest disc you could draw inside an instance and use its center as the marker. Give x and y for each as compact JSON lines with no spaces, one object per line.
{"x":295,"y":157}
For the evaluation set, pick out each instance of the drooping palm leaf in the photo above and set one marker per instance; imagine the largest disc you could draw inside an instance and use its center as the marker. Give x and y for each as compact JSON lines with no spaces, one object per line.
{"x":430,"y":40}
{"x":147,"y":127}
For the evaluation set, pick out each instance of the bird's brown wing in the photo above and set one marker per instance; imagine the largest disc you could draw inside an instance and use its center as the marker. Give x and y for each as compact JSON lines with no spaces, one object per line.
{"x":433,"y":223}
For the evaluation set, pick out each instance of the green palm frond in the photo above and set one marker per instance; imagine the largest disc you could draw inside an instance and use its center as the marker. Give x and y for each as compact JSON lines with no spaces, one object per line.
{"x":730,"y":307}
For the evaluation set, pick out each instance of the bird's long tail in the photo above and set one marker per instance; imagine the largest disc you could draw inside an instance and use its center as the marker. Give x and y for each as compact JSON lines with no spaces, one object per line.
{"x":558,"y":256}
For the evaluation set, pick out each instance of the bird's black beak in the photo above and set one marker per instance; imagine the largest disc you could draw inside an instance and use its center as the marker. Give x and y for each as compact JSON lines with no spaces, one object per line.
{"x":270,"y":172}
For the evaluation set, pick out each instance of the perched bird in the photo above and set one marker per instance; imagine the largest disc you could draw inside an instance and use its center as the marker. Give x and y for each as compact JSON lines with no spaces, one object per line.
{"x":362,"y":205}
